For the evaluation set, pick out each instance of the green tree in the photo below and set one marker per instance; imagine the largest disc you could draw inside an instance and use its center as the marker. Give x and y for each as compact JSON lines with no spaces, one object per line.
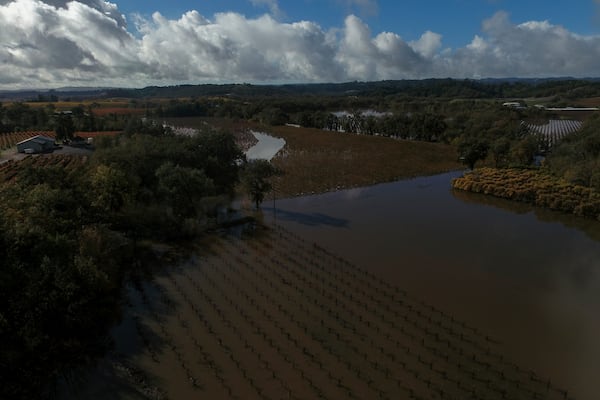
{"x":500,"y":149}
{"x":219,"y":156}
{"x":255,"y":179}
{"x":64,"y":128}
{"x":472,"y":149}
{"x":57,"y":298}
{"x":577,"y":157}
{"x":110,"y":188}
{"x":183,"y":188}
{"x":524,"y":151}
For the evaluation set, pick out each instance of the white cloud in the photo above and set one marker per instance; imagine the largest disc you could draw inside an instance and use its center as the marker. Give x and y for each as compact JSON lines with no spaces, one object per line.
{"x":233,"y":47}
{"x":55,"y":43}
{"x":478,"y":45}
{"x":42,"y":44}
{"x":428,"y":45}
{"x":530,"y":49}
{"x":105,"y":7}
{"x":366,"y":58}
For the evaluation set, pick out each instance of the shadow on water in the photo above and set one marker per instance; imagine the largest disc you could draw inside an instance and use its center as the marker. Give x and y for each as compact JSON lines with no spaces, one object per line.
{"x":148,"y":311}
{"x":309,"y":219}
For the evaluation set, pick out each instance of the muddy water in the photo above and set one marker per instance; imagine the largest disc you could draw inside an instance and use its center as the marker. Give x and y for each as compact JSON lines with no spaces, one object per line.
{"x":529,"y":278}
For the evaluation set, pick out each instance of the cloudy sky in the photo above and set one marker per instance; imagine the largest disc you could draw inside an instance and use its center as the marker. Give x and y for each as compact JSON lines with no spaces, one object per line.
{"x":54,"y":43}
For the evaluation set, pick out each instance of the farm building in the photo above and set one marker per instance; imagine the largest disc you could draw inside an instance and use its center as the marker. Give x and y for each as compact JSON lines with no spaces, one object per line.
{"x":514,"y":104}
{"x":36,"y":144}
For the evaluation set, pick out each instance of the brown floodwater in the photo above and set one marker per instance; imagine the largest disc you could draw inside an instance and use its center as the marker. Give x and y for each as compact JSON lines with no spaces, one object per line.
{"x":527,"y":277}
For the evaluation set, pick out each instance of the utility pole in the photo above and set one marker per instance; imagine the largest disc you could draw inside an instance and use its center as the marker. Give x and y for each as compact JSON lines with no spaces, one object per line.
{"x":274,"y":208}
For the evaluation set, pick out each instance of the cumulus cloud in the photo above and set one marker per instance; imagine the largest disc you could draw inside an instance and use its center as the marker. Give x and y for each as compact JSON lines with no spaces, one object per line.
{"x":366,"y":58}
{"x":41,"y":43}
{"x":233,"y":47}
{"x":428,"y":45}
{"x":534,"y":48}
{"x":53,"y":43}
{"x":104,"y":7}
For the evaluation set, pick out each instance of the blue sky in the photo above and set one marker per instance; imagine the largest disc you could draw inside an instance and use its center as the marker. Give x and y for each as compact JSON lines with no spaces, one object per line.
{"x":53,"y":43}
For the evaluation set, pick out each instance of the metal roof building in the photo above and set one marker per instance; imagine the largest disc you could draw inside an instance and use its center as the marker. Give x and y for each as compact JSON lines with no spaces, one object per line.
{"x":36,"y":144}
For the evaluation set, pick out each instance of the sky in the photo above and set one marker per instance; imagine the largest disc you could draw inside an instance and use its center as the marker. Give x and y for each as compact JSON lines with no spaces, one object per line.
{"x":91,"y":43}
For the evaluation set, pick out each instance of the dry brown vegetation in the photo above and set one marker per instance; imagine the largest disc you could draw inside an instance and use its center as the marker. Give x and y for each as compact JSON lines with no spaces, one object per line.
{"x":276,"y":317}
{"x":316,"y":161}
{"x":87,"y":135}
{"x":534,"y":187}
{"x":588,"y":102}
{"x":103,"y":111}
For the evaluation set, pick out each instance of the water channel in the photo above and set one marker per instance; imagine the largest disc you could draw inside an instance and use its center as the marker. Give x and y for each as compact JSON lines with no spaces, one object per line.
{"x":266,"y":147}
{"x":529,"y":278}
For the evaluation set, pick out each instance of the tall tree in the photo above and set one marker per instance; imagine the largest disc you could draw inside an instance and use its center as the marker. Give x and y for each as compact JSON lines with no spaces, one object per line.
{"x":472,"y":149}
{"x":64,"y":127}
{"x":255,"y":179}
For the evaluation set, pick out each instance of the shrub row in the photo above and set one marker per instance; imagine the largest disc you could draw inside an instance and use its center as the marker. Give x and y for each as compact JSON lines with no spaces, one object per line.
{"x":532,"y":186}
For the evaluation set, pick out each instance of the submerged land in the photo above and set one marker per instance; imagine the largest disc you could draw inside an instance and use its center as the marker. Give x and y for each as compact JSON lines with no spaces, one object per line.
{"x":135,"y":244}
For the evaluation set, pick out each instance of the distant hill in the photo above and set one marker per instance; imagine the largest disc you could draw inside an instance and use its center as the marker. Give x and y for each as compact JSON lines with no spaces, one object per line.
{"x":52,"y":94}
{"x":438,"y":88}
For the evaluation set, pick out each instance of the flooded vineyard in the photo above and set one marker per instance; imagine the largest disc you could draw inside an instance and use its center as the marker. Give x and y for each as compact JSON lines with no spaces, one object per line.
{"x":277,"y":317}
{"x":528,"y":277}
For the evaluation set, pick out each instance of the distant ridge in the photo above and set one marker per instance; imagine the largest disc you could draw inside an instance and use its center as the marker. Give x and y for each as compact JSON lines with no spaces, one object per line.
{"x":60,"y":93}
{"x":447,"y":87}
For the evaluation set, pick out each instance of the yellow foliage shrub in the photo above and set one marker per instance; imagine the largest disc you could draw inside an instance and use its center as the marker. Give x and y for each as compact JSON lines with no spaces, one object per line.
{"x":532,"y":186}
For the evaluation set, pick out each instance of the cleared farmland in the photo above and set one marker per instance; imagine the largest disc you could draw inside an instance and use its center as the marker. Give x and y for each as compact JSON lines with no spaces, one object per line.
{"x":317,"y":161}
{"x":275,"y":316}
{"x":11,"y":168}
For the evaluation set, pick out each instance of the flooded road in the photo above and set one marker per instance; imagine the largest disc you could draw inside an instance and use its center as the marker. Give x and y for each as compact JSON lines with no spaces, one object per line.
{"x":528,"y":278}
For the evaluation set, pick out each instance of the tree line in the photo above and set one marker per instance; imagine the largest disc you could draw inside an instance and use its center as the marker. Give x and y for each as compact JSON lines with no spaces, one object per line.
{"x":430,"y":88}
{"x":577,"y":157}
{"x":479,"y":128}
{"x":70,"y":239}
{"x":21,"y":116}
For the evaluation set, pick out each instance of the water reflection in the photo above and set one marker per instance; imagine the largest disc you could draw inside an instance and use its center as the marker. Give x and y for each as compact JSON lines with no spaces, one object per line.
{"x":585,"y":225}
{"x":266,"y":148}
{"x":528,"y":277}
{"x":582,"y":270}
